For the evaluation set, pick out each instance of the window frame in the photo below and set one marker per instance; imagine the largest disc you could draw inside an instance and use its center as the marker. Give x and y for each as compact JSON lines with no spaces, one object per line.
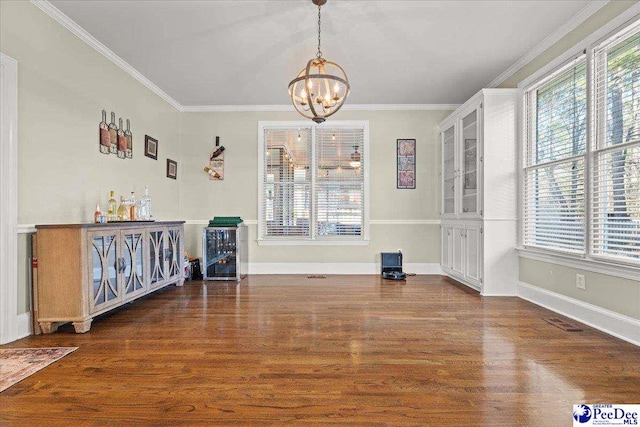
{"x":314,"y":239}
{"x":529,"y":102}
{"x":618,"y":28}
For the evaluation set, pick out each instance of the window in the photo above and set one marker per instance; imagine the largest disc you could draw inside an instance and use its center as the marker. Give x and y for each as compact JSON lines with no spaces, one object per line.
{"x":554,"y":208}
{"x":616,"y":161}
{"x":313,"y":182}
{"x":582,"y":189}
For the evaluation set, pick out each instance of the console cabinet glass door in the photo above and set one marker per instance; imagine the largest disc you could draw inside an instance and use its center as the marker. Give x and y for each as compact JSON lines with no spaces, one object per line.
{"x":174,"y":252}
{"x":157,"y":254}
{"x":134,"y":262}
{"x":104,"y":270}
{"x":449,"y":171}
{"x":469,"y":161}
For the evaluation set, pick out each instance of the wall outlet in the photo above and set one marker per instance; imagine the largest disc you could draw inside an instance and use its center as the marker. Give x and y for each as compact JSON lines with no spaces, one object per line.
{"x":580,"y":281}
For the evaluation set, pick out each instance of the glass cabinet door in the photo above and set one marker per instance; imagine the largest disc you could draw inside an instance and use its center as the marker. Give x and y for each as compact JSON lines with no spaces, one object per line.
{"x":157,"y":266}
{"x":448,"y":171}
{"x":220,"y":253}
{"x":469,"y":164}
{"x":173,"y":252}
{"x":133,"y":271}
{"x":105,"y":267}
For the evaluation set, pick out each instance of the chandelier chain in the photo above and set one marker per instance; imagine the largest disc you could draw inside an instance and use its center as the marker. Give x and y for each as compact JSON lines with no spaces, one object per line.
{"x":319,"y":54}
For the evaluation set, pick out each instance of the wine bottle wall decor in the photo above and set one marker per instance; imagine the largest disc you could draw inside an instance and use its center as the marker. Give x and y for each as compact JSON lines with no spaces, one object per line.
{"x":114,"y":139}
{"x":216,"y":162}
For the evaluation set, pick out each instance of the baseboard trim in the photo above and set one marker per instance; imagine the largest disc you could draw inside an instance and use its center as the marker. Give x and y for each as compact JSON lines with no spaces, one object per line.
{"x":337,"y":268}
{"x":618,"y":325}
{"x":23,"y":326}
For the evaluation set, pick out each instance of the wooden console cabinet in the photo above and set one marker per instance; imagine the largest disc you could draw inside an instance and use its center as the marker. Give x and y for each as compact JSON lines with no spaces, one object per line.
{"x":88,"y":269}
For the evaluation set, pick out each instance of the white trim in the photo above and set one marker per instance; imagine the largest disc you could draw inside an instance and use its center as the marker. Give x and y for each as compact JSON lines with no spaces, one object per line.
{"x":593,"y":265}
{"x":585,"y":43}
{"x":9,"y":319}
{"x":405,"y":222}
{"x":29,"y":228}
{"x":288,"y":107}
{"x":337,"y":268}
{"x":620,"y":326}
{"x":86,"y":37}
{"x":26,"y":228}
{"x":549,"y":41}
{"x":309,"y":242}
{"x":206,"y":222}
{"x":24,"y":326}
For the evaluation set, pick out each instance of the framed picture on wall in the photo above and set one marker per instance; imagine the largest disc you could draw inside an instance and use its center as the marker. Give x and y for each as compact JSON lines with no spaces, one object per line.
{"x":151,"y":147}
{"x":406,"y":163}
{"x":172,"y":169}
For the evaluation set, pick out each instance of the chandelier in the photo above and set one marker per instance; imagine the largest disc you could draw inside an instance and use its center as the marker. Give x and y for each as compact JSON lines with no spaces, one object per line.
{"x":320,"y":89}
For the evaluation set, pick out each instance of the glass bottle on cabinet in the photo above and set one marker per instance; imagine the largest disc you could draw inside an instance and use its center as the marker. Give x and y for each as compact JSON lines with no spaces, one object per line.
{"x":225,"y":253}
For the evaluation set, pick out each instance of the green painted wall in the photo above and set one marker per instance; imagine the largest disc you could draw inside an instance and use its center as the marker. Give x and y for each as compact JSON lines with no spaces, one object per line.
{"x":63,"y":85}
{"x":238,"y":193}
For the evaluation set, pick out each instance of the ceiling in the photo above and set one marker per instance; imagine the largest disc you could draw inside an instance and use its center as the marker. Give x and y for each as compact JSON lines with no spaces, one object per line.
{"x":245,"y":52}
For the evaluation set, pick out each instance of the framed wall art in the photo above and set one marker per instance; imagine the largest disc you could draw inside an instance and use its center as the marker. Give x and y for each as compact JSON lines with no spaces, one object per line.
{"x":151,"y":147}
{"x":172,"y":169}
{"x":406,"y":163}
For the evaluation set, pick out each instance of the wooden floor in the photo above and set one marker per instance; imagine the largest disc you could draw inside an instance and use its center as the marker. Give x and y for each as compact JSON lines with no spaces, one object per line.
{"x":346,"y":350}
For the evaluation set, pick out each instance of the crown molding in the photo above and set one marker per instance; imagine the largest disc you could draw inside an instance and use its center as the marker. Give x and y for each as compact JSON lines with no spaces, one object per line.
{"x":289,"y":108}
{"x":86,"y":37}
{"x":549,"y":41}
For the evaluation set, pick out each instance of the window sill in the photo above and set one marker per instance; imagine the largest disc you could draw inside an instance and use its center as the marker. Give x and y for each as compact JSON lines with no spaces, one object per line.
{"x":594,"y":265}
{"x":262,"y":242}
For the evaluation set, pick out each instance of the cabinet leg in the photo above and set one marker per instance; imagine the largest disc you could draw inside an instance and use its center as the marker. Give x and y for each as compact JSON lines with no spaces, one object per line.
{"x":48,"y":327}
{"x":82,"y":327}
{"x":180,"y":282}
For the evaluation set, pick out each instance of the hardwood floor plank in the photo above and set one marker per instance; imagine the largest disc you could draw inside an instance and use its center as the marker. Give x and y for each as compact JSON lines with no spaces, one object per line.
{"x":346,"y":350}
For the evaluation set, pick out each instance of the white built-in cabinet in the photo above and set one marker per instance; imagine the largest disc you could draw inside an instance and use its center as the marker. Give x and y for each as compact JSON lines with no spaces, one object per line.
{"x":479,"y":192}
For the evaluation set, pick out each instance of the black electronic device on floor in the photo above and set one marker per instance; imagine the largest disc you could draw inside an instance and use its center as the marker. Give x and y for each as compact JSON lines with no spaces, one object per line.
{"x":391,"y":266}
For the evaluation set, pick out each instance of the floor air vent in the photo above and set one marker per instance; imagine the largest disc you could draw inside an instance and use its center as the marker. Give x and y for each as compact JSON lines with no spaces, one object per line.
{"x":559,"y":323}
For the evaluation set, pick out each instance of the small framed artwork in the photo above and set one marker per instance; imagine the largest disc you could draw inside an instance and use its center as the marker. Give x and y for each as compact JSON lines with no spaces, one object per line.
{"x":151,"y":147}
{"x":406,"y":163}
{"x":172,"y":169}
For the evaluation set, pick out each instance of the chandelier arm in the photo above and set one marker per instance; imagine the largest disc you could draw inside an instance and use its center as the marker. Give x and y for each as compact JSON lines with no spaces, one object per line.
{"x":307,"y":76}
{"x":326,"y":81}
{"x":320,"y":76}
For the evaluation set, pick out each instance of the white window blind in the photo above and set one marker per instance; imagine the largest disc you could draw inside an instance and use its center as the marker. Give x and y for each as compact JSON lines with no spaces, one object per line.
{"x":313,"y":182}
{"x":554,"y":174}
{"x":286,"y":198}
{"x":339,"y":192}
{"x":616,"y":160}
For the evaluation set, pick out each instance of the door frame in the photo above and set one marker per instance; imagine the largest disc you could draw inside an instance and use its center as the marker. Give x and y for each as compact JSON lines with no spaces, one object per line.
{"x":11,"y":327}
